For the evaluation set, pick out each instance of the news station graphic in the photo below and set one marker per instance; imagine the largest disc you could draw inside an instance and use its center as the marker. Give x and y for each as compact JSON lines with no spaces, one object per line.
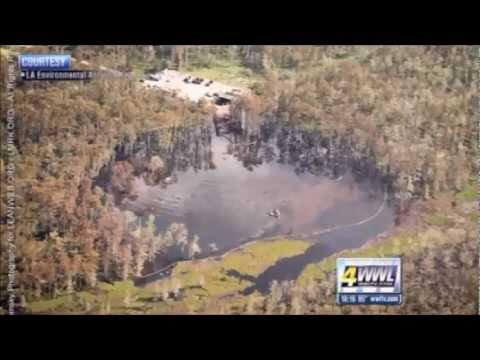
{"x":52,"y":67}
{"x":58,"y":75}
{"x":44,"y":62}
{"x":369,"y":281}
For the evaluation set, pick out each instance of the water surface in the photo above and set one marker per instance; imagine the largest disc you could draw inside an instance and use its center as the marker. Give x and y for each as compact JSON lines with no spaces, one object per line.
{"x":223,"y":185}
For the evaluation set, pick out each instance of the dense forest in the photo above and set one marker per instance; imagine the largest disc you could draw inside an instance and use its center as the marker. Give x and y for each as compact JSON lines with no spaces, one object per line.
{"x":409,"y":109}
{"x":69,"y":233}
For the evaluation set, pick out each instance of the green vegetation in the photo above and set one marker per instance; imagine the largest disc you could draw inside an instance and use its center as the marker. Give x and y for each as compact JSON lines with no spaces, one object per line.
{"x":228,"y":72}
{"x":142,"y":67}
{"x":469,"y":192}
{"x":75,"y":304}
{"x":397,"y":245}
{"x":253,"y":259}
{"x":203,"y":280}
{"x":117,"y":298}
{"x":191,"y":286}
{"x":437,"y":219}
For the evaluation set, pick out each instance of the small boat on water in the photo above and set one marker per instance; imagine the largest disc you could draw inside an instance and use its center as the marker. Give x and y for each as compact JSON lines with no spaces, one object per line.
{"x":274,"y":213}
{"x":213,"y":247}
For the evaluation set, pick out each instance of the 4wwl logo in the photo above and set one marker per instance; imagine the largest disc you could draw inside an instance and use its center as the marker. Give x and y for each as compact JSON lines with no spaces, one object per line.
{"x":369,"y":275}
{"x":369,"y":280}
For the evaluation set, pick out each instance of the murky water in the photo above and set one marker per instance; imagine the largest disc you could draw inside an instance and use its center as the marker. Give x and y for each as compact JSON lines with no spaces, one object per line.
{"x":224,"y":187}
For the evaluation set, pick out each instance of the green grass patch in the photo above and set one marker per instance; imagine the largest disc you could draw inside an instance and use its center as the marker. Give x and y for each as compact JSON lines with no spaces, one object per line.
{"x":140,"y":67}
{"x":437,"y":220}
{"x":64,"y":304}
{"x":203,"y":279}
{"x":255,"y":258}
{"x":228,"y":72}
{"x":469,"y":192}
{"x":47,"y":306}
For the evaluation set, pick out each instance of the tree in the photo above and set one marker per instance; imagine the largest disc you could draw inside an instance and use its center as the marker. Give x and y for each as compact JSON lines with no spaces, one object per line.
{"x":193,"y":247}
{"x":176,"y":234}
{"x":176,"y":288}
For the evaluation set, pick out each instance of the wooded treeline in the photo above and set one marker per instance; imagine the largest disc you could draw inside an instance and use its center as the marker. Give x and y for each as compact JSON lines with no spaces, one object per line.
{"x":411,"y":107}
{"x":69,"y":234}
